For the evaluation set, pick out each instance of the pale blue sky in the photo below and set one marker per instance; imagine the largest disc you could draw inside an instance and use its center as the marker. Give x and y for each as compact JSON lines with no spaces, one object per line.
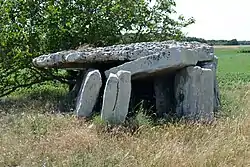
{"x":217,"y":19}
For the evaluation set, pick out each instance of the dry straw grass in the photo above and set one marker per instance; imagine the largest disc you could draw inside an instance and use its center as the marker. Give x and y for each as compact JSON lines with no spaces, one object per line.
{"x":30,"y":136}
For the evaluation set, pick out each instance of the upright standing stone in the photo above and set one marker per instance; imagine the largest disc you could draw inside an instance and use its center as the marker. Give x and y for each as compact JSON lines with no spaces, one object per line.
{"x":164,"y":95}
{"x":123,"y":98}
{"x":88,"y":93}
{"x":110,"y":98}
{"x":207,"y":95}
{"x":194,"y":92}
{"x":213,"y":66}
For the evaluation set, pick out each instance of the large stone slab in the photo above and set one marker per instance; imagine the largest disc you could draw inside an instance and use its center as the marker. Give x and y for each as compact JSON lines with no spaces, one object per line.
{"x":205,"y":52}
{"x":88,"y":93}
{"x":122,"y":53}
{"x":213,"y":66}
{"x":194,"y":93}
{"x":166,"y":61}
{"x":123,"y":97}
{"x":110,"y":98}
{"x":116,"y":97}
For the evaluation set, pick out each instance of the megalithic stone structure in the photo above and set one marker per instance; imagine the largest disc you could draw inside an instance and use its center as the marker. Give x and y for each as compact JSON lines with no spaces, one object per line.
{"x":116,"y":97}
{"x":110,"y":98}
{"x":88,"y":93}
{"x":194,"y":93}
{"x":177,"y":77}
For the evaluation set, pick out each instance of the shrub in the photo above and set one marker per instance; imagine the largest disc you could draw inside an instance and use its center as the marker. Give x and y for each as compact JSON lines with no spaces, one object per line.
{"x":31,"y":28}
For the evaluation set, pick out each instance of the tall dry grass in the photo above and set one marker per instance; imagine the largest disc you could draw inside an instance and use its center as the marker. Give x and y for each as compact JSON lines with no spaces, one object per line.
{"x":30,"y":135}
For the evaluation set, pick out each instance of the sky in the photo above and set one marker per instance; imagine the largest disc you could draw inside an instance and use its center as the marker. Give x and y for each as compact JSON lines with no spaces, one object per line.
{"x":217,"y":19}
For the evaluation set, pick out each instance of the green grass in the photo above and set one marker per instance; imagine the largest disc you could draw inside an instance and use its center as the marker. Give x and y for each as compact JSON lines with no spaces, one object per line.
{"x":233,"y":68}
{"x":233,"y":75}
{"x":32,"y":135}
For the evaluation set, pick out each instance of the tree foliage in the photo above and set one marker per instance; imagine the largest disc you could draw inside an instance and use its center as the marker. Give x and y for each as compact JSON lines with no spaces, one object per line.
{"x":233,"y":42}
{"x":29,"y":28}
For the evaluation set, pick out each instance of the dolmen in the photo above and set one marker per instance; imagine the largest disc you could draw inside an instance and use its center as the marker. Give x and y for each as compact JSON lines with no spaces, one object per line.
{"x":173,"y":78}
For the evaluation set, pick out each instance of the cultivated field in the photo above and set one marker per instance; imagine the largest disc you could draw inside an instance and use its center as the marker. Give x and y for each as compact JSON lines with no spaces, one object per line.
{"x":231,"y":46}
{"x":31,"y":135}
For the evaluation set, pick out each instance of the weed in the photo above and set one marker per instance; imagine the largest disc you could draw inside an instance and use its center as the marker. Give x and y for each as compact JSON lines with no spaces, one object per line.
{"x":31,"y":135}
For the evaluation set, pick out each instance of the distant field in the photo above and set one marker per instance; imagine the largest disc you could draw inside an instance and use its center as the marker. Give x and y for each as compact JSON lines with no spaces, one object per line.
{"x":234,"y":67}
{"x":31,"y":135}
{"x":231,"y":46}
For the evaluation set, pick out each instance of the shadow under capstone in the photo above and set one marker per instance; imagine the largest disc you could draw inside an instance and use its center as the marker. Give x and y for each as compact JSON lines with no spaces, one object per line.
{"x":143,"y":95}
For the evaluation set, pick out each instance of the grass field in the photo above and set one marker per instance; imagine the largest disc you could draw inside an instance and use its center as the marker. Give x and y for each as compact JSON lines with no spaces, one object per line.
{"x":31,"y":135}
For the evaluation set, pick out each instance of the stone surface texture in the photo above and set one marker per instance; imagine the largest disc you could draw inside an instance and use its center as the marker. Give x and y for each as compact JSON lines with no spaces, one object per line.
{"x":124,"y":53}
{"x":194,"y":93}
{"x":213,"y":66}
{"x":110,"y":98}
{"x":167,"y":60}
{"x":116,"y":97}
{"x":88,"y":93}
{"x":123,"y":96}
{"x":164,"y":95}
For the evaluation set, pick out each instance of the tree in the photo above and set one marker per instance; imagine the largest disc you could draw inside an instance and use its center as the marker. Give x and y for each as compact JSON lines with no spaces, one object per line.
{"x":191,"y":39}
{"x":233,"y":42}
{"x":29,"y":28}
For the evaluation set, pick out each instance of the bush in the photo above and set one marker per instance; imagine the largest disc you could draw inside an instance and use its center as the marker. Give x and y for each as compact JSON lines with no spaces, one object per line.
{"x":31,"y":28}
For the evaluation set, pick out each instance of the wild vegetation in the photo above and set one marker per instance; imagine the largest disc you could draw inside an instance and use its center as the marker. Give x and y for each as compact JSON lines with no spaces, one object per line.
{"x":33,"y":135}
{"x":232,"y":42}
{"x":31,"y":28}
